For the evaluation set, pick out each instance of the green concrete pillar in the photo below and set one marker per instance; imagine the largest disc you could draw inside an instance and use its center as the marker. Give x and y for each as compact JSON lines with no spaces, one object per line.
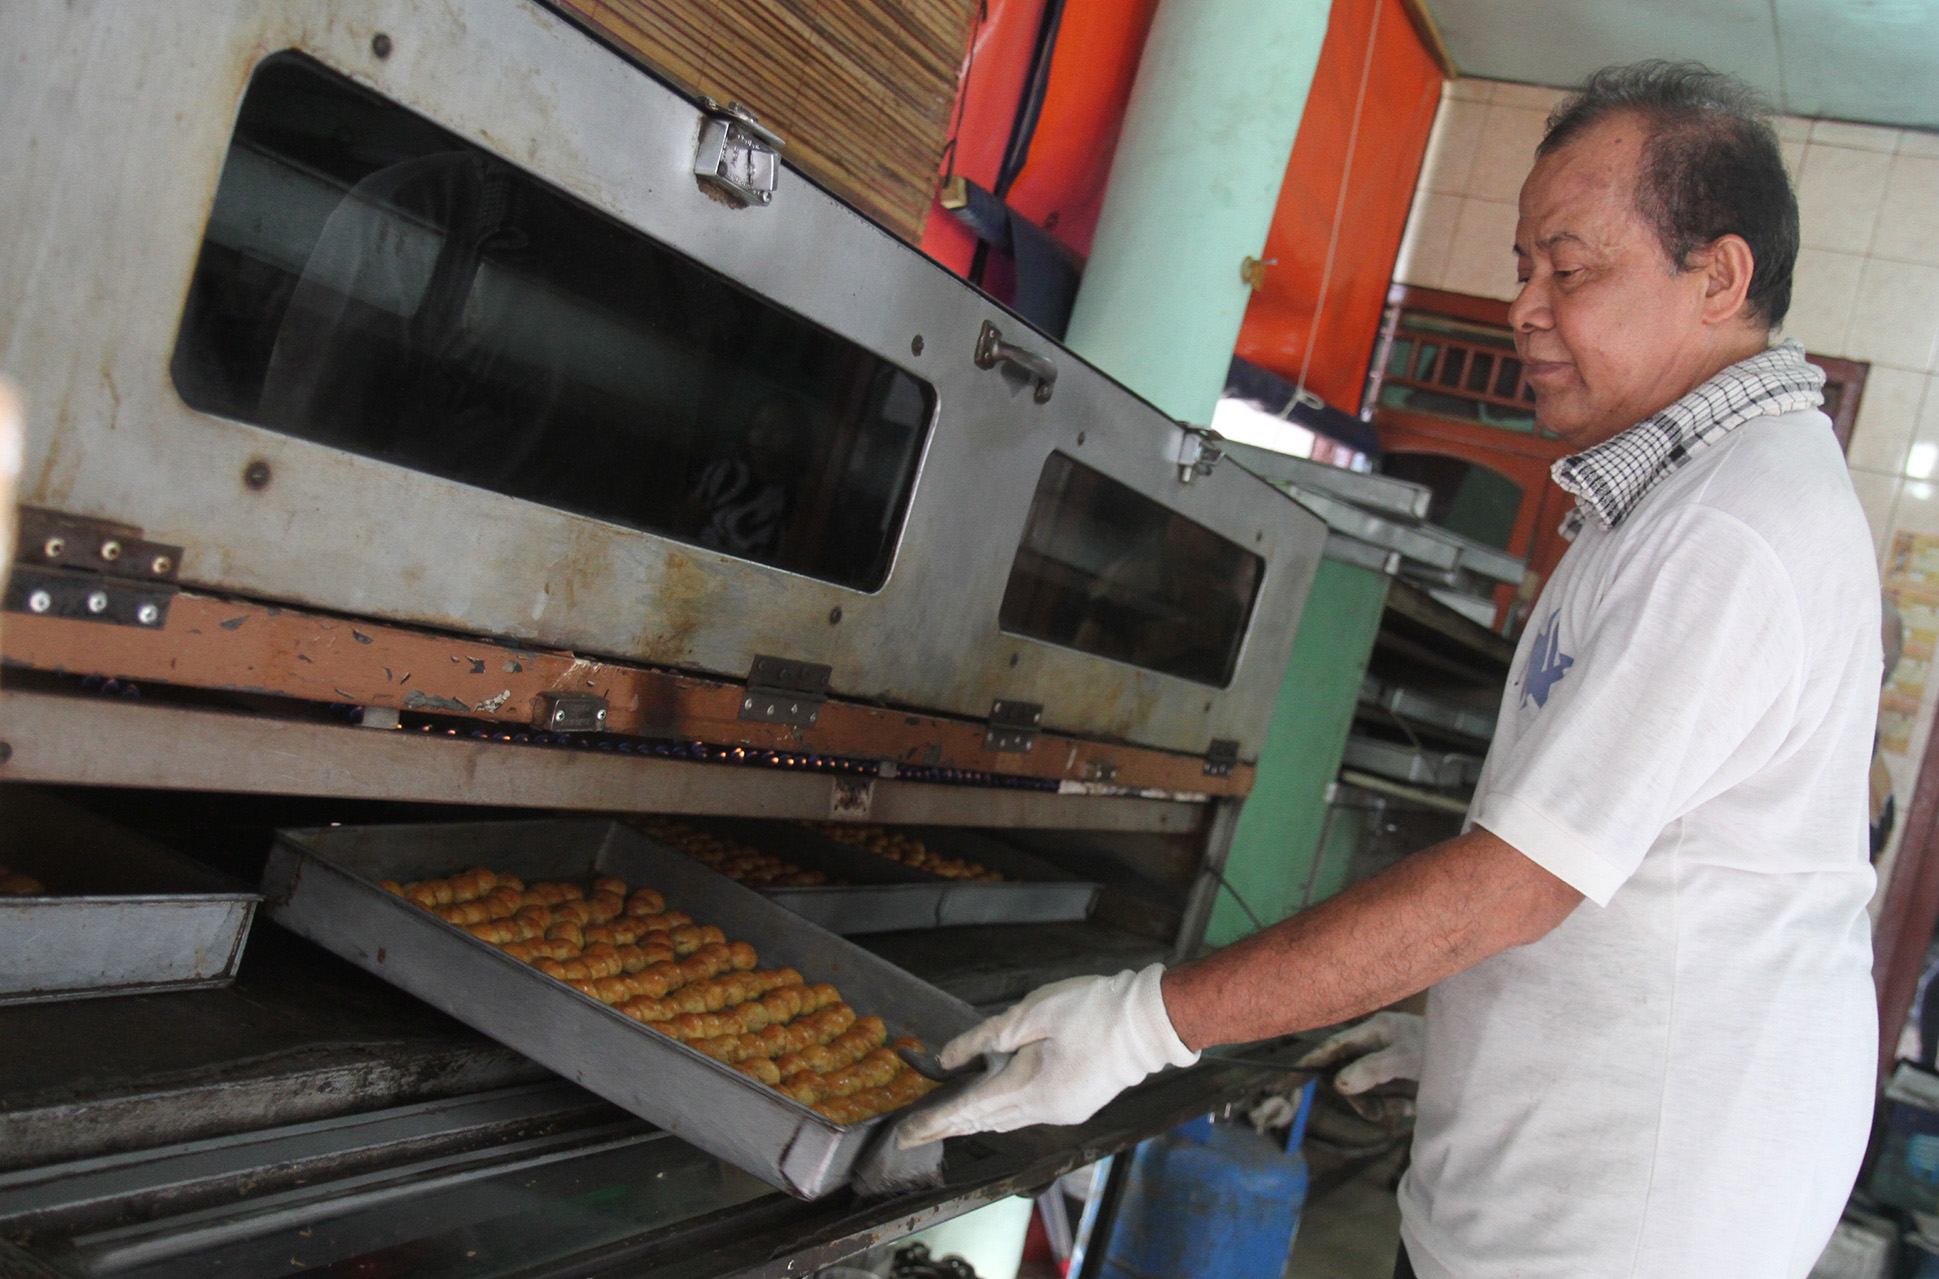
{"x":1276,"y":851}
{"x":1198,"y":168}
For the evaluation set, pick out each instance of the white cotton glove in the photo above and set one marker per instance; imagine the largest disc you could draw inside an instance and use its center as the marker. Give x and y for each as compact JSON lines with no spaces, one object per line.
{"x":1383,"y":1048}
{"x":1078,"y":1043}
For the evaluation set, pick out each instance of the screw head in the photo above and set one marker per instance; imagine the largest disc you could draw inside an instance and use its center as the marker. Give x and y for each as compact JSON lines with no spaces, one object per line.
{"x":39,"y":602}
{"x":380,"y":45}
{"x":148,"y":614}
{"x":53,"y":547}
{"x":97,"y":601}
{"x":256,"y":474}
{"x":111,"y":550}
{"x":915,"y":345}
{"x":1080,"y":439}
{"x":600,"y":715}
{"x":835,"y":615}
{"x":160,"y":565}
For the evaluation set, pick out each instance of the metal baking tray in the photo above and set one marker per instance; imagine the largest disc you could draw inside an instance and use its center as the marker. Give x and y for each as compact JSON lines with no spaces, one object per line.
{"x":124,"y":915}
{"x":884,"y":896}
{"x":322,"y":883}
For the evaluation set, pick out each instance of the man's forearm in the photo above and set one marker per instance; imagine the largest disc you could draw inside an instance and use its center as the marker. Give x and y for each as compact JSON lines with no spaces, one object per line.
{"x":1436,"y":913}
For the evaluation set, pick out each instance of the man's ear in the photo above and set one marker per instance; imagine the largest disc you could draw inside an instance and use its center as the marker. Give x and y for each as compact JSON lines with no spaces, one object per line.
{"x":1726,"y":265}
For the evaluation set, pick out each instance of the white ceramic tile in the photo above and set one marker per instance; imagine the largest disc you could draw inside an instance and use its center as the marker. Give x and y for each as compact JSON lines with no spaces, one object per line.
{"x":1534,"y":96}
{"x":1792,"y":128}
{"x":1866,"y":137}
{"x":1469,"y":89}
{"x":1895,"y":319}
{"x":1877,"y":494}
{"x":1921,"y":142}
{"x":1793,"y":153}
{"x":1839,"y":192}
{"x":1908,"y":218}
{"x":1925,"y":432}
{"x":1423,"y":253}
{"x":1887,"y":416}
{"x":1505,"y":152}
{"x":1481,"y":258}
{"x":1824,"y":287}
{"x":1451,"y":146}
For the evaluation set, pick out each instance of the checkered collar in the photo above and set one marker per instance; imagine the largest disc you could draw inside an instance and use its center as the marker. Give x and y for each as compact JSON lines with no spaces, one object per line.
{"x":1610,"y":479}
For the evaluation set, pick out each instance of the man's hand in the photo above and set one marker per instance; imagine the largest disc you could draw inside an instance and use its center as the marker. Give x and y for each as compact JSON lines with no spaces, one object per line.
{"x":1078,"y":1043}
{"x":1383,"y":1048}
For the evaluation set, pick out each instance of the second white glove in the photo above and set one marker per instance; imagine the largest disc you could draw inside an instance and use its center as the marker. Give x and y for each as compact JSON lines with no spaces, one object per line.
{"x":1078,"y":1043}
{"x":1383,"y":1048}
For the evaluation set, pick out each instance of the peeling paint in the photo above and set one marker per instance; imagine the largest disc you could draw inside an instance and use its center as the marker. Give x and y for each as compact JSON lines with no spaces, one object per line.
{"x":234,"y":623}
{"x":513,"y":668}
{"x":360,"y":637}
{"x":418,"y":700}
{"x":491,"y":704}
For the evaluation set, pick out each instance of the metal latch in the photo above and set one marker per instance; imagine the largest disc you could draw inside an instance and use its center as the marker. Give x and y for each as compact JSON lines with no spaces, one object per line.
{"x":738,"y":154}
{"x":93,"y":570}
{"x":572,"y":713}
{"x":1198,"y":452}
{"x":781,"y":690}
{"x":1221,"y":757}
{"x":1013,"y":726}
{"x":992,"y":350}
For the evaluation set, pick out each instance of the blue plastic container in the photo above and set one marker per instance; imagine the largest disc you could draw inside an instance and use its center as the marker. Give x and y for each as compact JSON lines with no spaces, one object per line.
{"x":1211,"y":1201}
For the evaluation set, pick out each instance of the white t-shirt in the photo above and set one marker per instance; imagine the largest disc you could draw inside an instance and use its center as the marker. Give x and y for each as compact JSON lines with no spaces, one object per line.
{"x":1677,"y":1081}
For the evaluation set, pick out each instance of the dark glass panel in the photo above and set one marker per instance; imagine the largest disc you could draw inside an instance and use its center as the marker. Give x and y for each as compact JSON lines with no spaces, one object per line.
{"x":373,"y":282}
{"x":1106,"y":570}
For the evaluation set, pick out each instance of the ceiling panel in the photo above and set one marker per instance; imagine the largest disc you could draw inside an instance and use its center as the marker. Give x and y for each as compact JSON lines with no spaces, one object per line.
{"x":1869,"y":60}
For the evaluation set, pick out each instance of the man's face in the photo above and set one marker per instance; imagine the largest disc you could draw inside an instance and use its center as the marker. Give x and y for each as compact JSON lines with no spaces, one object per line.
{"x":1608,"y":330}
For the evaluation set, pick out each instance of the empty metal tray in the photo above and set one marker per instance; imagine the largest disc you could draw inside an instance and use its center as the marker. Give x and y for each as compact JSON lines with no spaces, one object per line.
{"x":322,"y":883}
{"x":124,"y":915}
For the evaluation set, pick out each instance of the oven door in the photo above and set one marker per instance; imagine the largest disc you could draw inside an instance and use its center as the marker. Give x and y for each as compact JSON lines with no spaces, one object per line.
{"x":441,"y":328}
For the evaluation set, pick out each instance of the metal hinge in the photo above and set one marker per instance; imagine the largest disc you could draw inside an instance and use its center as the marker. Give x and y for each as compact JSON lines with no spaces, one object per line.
{"x":572,"y":713}
{"x":1198,"y":452}
{"x":781,"y":690}
{"x":1013,"y":726}
{"x":737,"y":155}
{"x":1221,"y":757}
{"x":92,"y":570}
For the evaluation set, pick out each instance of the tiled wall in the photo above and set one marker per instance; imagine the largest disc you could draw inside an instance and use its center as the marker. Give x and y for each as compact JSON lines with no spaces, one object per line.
{"x":1867,"y":283}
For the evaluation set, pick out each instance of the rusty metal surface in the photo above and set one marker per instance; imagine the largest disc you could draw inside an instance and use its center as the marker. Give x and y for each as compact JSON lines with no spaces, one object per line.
{"x":118,"y":123}
{"x":256,"y":648}
{"x":101,"y":742}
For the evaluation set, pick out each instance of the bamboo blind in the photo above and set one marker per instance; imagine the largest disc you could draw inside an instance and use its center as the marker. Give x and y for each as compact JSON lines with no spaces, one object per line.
{"x":862,"y":90}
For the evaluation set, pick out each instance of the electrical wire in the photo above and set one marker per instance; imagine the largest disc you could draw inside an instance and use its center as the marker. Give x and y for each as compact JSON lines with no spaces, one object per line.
{"x":1339,"y":204}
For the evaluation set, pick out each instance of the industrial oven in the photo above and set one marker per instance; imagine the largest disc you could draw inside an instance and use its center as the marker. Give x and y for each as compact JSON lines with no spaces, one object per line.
{"x":445,"y":436}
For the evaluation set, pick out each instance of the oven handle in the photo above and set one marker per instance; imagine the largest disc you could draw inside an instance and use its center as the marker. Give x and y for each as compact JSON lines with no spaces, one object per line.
{"x":992,"y":350}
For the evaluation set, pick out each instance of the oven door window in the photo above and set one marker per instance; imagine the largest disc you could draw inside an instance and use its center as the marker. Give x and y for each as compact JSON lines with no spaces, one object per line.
{"x":1106,"y":570}
{"x":372,"y":282}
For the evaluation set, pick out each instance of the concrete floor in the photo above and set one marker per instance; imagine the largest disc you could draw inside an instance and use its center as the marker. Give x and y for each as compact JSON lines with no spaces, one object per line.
{"x":1351,"y":1233}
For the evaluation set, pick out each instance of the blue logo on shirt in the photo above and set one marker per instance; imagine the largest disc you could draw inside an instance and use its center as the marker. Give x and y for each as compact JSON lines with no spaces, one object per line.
{"x":1547,"y":664}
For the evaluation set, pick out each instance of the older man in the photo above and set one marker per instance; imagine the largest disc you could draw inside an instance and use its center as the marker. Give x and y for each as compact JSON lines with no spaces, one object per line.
{"x":1648,"y":1050}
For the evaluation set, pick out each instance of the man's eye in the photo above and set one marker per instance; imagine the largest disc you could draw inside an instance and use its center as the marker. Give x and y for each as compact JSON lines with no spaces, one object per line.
{"x":1563,"y":275}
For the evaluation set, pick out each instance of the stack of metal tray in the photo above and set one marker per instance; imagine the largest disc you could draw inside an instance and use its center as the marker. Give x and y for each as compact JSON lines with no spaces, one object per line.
{"x":123,"y":915}
{"x":883,"y":896}
{"x":322,"y":883}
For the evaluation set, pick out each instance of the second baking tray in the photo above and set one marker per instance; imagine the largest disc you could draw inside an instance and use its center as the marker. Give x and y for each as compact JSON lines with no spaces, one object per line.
{"x":322,"y":883}
{"x":885,"y":896}
{"x":122,"y":915}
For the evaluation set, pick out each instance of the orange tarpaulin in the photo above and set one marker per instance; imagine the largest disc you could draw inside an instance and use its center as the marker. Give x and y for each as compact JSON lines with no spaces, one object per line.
{"x":1305,"y":314}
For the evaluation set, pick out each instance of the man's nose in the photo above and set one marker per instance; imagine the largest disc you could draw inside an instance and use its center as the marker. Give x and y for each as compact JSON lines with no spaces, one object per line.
{"x":1530,"y":309}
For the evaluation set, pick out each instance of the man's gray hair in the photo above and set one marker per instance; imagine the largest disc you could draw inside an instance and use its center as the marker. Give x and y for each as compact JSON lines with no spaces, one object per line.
{"x":1710,"y":167}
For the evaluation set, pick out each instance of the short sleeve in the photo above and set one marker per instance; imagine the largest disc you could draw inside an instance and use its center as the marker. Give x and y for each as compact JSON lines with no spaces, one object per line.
{"x":1668,"y":683}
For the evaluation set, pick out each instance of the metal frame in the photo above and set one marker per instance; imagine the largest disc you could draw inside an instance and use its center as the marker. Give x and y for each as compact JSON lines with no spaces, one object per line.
{"x":102,"y":742}
{"x":110,"y":195}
